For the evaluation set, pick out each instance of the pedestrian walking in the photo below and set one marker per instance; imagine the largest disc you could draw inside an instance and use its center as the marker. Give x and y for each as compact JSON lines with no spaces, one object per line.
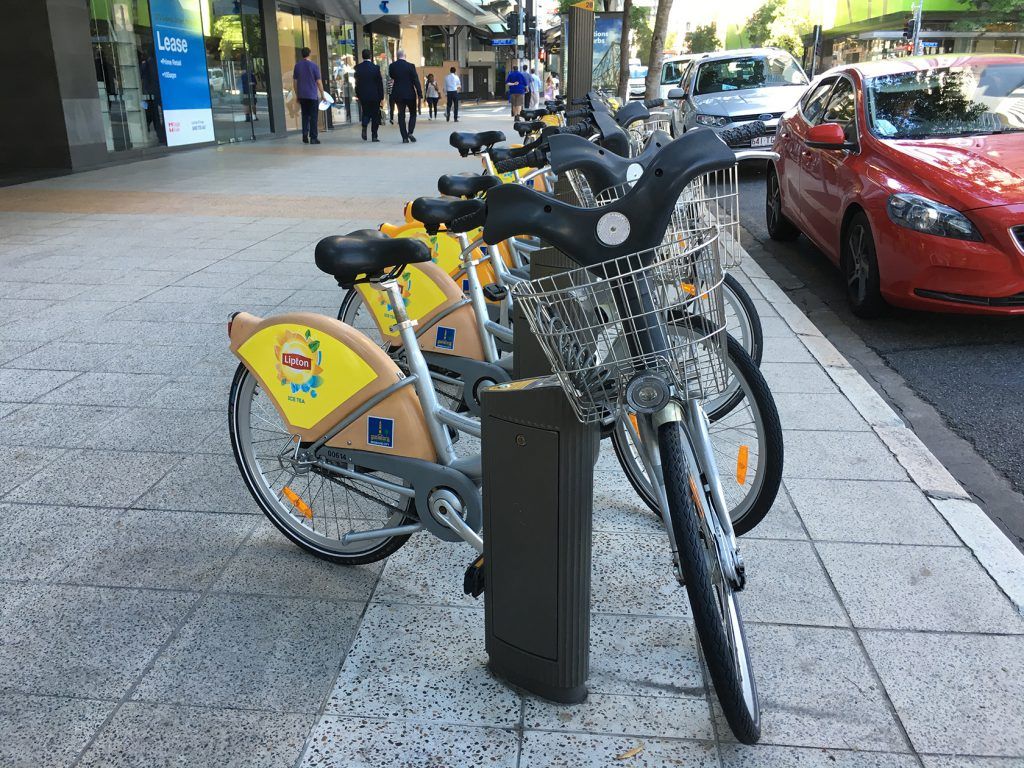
{"x":452,"y":89}
{"x":432,"y":95}
{"x":309,"y":90}
{"x":369,"y":93}
{"x":549,"y":88}
{"x":405,"y":90}
{"x":515,"y":83}
{"x":535,"y":88}
{"x":558,"y":85}
{"x":528,"y":93}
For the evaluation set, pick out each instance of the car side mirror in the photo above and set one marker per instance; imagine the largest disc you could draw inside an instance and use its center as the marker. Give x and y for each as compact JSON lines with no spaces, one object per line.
{"x":829,"y":136}
{"x":676,"y":94}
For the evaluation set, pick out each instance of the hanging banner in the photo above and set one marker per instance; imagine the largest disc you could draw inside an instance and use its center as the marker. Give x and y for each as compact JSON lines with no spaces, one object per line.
{"x":384,"y":7}
{"x":181,"y":64}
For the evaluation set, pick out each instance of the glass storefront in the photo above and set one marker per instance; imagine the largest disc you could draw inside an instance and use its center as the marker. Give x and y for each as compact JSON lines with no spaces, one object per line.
{"x":126,"y":75}
{"x":237,"y":65}
{"x":341,"y":54}
{"x":297,"y":29}
{"x":433,"y":46}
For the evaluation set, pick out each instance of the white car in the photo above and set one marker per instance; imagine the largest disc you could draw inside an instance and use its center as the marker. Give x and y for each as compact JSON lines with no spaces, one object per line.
{"x":672,"y":68}
{"x":637,"y":79}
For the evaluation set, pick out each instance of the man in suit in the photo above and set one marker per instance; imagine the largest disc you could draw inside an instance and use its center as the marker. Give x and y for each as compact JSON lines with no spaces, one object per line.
{"x":369,"y":93}
{"x":405,"y":90}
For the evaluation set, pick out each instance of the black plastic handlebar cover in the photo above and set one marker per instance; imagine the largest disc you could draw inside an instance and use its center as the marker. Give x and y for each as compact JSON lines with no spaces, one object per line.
{"x":576,"y":113}
{"x":743,"y":133}
{"x":469,"y":221}
{"x":580,"y":102}
{"x":601,"y":168}
{"x":643,"y":212}
{"x":613,"y":138}
{"x":652,"y":103}
{"x":533,"y":159}
{"x":631,"y":113}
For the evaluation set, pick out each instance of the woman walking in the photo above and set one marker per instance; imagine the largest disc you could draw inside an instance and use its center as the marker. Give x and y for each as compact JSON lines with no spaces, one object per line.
{"x":431,"y":94}
{"x":549,"y":88}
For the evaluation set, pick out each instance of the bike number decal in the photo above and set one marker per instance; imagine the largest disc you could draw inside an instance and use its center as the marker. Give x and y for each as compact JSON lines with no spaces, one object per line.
{"x":297,"y":362}
{"x":445,"y":338}
{"x":380,"y":432}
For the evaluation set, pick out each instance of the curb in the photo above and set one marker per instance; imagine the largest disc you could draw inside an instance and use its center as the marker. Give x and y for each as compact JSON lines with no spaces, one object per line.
{"x":1003,"y":562}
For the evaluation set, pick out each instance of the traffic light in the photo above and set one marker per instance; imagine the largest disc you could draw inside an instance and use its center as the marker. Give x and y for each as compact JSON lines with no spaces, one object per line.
{"x":512,"y":22}
{"x":531,"y":24}
{"x":908,"y":30}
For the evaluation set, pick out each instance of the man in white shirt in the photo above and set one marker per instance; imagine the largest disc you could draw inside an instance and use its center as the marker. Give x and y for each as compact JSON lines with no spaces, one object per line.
{"x":536,"y":89}
{"x":452,"y":87}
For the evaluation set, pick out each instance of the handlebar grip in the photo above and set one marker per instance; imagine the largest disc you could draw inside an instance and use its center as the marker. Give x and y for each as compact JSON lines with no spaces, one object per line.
{"x":580,"y":129}
{"x":576,"y":113}
{"x":533,"y":159}
{"x":742,"y":133}
{"x":654,"y":103}
{"x":469,"y":221}
{"x":580,"y":102}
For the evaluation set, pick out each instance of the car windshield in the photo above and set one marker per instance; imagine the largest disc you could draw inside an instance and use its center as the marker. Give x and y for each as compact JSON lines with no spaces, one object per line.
{"x":947,"y":101}
{"x":673,"y":71}
{"x":748,"y":72}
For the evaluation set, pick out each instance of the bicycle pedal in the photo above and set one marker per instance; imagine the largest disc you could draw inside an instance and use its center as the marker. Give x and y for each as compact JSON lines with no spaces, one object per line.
{"x":495,"y":292}
{"x":473,"y":582}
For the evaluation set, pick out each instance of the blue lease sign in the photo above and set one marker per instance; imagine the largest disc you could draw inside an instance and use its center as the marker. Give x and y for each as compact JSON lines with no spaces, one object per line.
{"x":181,"y":65}
{"x":503,"y":41}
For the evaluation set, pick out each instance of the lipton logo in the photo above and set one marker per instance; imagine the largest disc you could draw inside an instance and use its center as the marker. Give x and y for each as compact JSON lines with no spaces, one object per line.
{"x":298,"y":362}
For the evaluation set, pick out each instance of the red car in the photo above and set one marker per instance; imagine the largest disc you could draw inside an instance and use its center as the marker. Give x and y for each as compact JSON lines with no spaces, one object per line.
{"x":909,"y":175}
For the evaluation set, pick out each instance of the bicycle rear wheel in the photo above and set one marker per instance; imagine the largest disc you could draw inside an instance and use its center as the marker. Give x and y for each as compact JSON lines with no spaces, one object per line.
{"x":741,"y":318}
{"x":716,"y":613}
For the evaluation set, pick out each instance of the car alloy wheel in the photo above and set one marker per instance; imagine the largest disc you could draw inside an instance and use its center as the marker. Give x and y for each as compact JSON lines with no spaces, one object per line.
{"x":860,"y":268}
{"x":779,"y":227}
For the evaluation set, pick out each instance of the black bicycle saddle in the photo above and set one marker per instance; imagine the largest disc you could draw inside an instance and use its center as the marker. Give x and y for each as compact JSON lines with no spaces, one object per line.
{"x":612,"y":136}
{"x":524,"y":128}
{"x":466,"y":185}
{"x":366,"y":252}
{"x":468,"y":143}
{"x":635,"y":222}
{"x":631,"y":113}
{"x":600,"y":167}
{"x":432,"y":212}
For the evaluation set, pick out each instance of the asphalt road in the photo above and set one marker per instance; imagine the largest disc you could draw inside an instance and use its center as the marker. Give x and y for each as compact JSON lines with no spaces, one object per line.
{"x":950,"y":376}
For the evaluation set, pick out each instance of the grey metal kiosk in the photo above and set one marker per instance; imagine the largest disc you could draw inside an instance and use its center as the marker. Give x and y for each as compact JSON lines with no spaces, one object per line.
{"x":538,"y":472}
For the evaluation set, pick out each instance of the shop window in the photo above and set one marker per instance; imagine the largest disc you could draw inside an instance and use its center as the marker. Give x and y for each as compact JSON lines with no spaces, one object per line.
{"x":341,"y":56}
{"x":433,"y":46}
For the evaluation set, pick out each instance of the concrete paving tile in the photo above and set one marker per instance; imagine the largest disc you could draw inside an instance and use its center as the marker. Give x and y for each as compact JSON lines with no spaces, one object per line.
{"x":839,"y":455}
{"x":578,"y":750}
{"x":618,"y":509}
{"x":763,"y":756}
{"x":102,"y":388}
{"x":151,"y":548}
{"x":818,"y":412}
{"x":781,"y":522}
{"x":670,"y":717}
{"x":19,"y":463}
{"x":646,"y":656}
{"x":888,"y":586}
{"x":632,"y":573}
{"x":57,"y":426}
{"x":787,"y":585}
{"x":869,"y":511}
{"x":963,"y":761}
{"x":46,"y":731}
{"x":174,"y":294}
{"x":95,"y":478}
{"x":397,"y":669}
{"x":160,"y":429}
{"x":201,"y":483}
{"x":785,"y":350}
{"x":84,"y":641}
{"x":151,"y":735}
{"x":13,"y":350}
{"x":269,"y":564}
{"x":817,"y":690}
{"x":73,"y":356}
{"x":25,"y":555}
{"x":348,"y":742}
{"x":427,"y":570}
{"x":148,"y":333}
{"x":20,"y":385}
{"x":198,"y":393}
{"x":271,"y":653}
{"x":956,"y":694}
{"x":6,"y":408}
{"x":809,"y":378}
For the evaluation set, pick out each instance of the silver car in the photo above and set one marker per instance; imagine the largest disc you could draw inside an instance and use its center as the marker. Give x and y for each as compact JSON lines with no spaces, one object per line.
{"x":729,"y":88}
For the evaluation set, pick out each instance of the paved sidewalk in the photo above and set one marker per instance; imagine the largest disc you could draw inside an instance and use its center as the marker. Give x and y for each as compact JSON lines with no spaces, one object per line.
{"x":150,"y":616}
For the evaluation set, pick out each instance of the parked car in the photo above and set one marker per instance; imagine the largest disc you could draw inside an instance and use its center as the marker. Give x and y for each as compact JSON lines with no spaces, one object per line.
{"x":672,"y":68}
{"x":637,"y":79}
{"x":909,"y":175}
{"x":728,"y":88}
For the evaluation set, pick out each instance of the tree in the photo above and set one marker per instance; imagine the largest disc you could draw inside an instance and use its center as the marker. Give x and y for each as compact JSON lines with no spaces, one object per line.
{"x":759,"y":25}
{"x":627,"y":8}
{"x":788,"y":29}
{"x":703,"y":39}
{"x":657,"y":49}
{"x":640,"y":25}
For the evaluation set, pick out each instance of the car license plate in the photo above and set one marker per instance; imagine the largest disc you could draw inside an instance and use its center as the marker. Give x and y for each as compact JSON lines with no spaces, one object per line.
{"x":762,"y":141}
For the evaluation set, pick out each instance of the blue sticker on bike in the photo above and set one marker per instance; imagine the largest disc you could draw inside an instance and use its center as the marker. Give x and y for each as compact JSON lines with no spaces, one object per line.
{"x":380,"y":432}
{"x":445,"y":338}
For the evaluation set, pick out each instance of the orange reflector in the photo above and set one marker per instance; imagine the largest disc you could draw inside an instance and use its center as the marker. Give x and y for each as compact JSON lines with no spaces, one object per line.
{"x":298,"y":503}
{"x":741,"y":465}
{"x":689,"y":288}
{"x":636,"y":426}
{"x":696,"y":497}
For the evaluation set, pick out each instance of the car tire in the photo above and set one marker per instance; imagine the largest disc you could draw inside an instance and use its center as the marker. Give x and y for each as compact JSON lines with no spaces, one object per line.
{"x":859,"y":264}
{"x":779,"y":227}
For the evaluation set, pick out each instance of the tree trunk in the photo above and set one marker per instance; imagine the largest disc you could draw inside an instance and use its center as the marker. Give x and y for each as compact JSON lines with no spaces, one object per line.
{"x":657,"y":49}
{"x":627,"y":7}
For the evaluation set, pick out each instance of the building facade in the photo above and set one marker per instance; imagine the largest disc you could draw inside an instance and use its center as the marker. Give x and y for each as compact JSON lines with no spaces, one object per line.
{"x":120,"y":79}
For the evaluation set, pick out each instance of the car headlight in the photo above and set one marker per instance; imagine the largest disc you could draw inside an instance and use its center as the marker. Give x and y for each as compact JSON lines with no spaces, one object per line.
{"x":924,"y":215}
{"x":713,"y":120}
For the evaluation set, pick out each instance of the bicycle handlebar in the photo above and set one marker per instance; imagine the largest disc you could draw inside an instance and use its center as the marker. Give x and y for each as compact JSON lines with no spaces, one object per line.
{"x":654,"y":103}
{"x":576,"y":113}
{"x":469,"y":221}
{"x":533,"y":159}
{"x":580,"y":102}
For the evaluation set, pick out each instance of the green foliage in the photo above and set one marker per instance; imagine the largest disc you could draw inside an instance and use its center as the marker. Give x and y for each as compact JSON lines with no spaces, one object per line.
{"x":759,"y":25}
{"x":781,"y":23}
{"x":640,"y":27}
{"x":1014,"y":8}
{"x":703,"y":39}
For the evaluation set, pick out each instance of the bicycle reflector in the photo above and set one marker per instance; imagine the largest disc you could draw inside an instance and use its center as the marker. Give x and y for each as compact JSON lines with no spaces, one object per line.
{"x":741,"y":464}
{"x":296,"y":501}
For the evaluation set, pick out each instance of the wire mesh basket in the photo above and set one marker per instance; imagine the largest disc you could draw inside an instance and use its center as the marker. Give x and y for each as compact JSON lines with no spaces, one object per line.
{"x":657,"y":311}
{"x":639,"y":132}
{"x":581,"y":188}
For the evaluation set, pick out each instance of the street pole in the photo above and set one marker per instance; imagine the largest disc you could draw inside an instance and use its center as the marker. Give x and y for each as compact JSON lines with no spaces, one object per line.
{"x":916,"y":50}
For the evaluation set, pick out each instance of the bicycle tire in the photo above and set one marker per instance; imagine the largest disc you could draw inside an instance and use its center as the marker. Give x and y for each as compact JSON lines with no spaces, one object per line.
{"x":746,"y":516}
{"x":248,"y":465}
{"x":745,"y":304}
{"x":728,"y":668}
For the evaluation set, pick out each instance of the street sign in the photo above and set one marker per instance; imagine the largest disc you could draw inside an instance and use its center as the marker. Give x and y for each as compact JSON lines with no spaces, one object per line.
{"x":503,"y":41}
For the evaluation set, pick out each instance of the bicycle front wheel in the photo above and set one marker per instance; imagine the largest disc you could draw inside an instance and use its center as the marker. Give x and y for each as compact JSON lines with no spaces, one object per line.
{"x":741,"y":318}
{"x":716,"y":613}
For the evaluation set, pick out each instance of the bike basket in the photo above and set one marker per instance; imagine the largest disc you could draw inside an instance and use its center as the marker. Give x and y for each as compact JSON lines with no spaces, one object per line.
{"x":640,"y":132}
{"x":581,"y":188}
{"x":655,"y":311}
